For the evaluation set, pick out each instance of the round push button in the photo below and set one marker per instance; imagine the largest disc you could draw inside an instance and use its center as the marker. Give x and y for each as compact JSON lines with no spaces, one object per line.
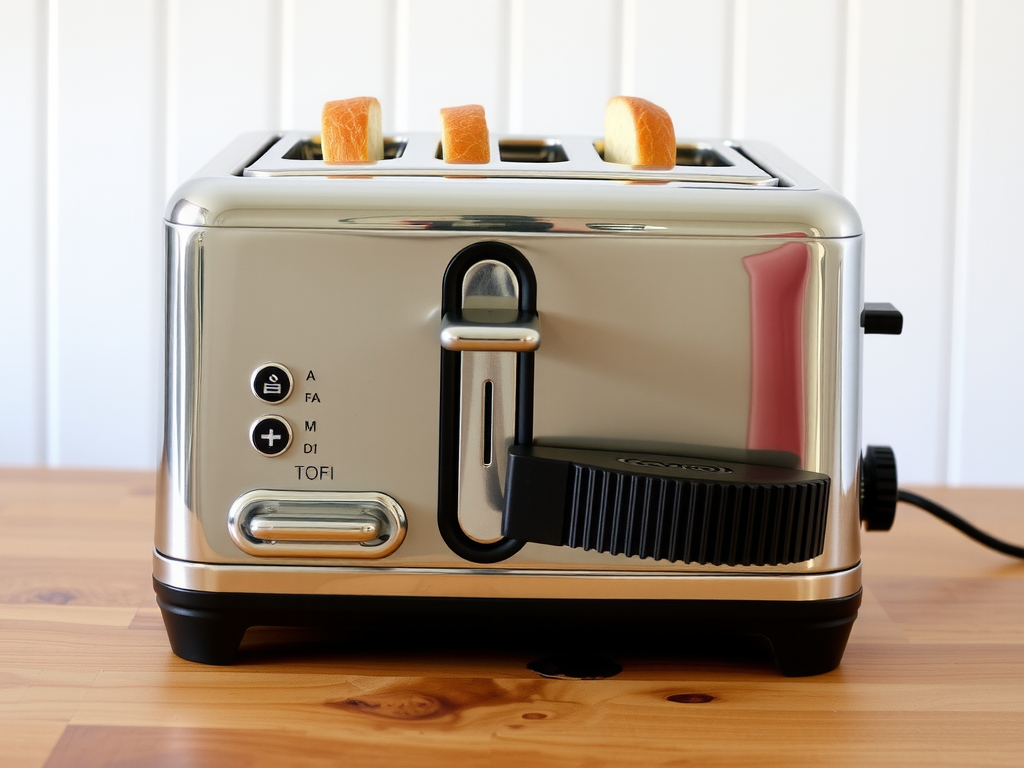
{"x":270,"y":435}
{"x":272,"y":383}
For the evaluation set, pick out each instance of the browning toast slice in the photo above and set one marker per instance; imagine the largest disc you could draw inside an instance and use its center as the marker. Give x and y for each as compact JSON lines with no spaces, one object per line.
{"x":464,"y":136}
{"x":638,"y":132}
{"x":350,"y":131}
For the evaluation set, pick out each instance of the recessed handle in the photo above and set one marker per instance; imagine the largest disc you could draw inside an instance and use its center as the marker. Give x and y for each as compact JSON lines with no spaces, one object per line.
{"x":269,"y":523}
{"x":287,"y":528}
{"x":490,"y":331}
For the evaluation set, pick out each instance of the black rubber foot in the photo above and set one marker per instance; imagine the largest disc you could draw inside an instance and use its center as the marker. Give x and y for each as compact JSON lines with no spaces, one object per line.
{"x":204,"y":636}
{"x":810,"y":649}
{"x":808,"y":637}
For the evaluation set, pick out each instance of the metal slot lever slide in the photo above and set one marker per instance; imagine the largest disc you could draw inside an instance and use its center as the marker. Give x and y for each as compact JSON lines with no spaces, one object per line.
{"x":489,"y":331}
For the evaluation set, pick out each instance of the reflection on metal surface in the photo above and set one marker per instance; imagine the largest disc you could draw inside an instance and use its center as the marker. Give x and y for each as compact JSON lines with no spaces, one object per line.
{"x":489,"y":284}
{"x":502,"y":582}
{"x":178,"y":530}
{"x":490,"y":294}
{"x":778,"y":279}
{"x":189,"y":214}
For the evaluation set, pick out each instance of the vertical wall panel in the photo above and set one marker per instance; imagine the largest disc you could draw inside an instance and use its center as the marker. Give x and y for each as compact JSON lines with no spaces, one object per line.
{"x":108,"y":265}
{"x":22,"y":132}
{"x":324,"y":70}
{"x":793,"y":78}
{"x":905,"y":158}
{"x":993,"y":393}
{"x":227,"y":70}
{"x":146,"y":91}
{"x":455,"y":57}
{"x":680,"y":60}
{"x":570,"y":55}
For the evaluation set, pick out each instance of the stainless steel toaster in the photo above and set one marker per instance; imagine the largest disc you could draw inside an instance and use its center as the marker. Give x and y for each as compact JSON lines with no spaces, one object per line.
{"x":548,"y":389}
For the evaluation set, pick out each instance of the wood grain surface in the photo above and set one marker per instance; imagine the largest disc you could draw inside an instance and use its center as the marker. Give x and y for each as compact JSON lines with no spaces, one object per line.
{"x":933,"y":675}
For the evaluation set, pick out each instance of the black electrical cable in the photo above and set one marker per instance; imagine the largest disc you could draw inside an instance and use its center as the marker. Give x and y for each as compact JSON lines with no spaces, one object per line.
{"x":960,"y":524}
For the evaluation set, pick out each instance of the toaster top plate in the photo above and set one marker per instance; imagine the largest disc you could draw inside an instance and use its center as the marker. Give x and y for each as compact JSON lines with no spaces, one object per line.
{"x":419,"y":154}
{"x":543,"y":186}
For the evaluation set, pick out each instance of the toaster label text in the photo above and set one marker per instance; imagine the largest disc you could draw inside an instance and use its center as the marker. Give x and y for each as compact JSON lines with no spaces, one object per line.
{"x":634,"y":462}
{"x":304,"y":472}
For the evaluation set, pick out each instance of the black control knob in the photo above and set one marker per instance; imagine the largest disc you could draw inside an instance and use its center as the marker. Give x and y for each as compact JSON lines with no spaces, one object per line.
{"x":878,"y":488}
{"x":881,"y":318}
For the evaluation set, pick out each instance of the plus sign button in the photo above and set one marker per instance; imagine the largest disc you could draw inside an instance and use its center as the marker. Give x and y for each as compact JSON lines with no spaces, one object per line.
{"x":270,"y":435}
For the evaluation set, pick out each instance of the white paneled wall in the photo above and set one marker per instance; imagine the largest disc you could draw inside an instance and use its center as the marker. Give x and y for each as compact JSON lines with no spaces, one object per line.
{"x":22,"y":224}
{"x":912,"y":108}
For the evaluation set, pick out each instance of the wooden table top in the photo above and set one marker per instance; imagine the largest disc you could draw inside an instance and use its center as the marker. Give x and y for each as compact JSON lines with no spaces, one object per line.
{"x":933,"y":674}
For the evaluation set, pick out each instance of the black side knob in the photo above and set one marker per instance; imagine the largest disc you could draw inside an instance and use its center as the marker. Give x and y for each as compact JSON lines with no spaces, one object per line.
{"x":878,"y":488}
{"x":881,"y":318}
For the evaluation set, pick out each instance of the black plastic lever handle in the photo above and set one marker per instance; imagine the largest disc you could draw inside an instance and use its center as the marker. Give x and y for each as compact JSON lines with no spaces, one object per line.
{"x":675,"y":508}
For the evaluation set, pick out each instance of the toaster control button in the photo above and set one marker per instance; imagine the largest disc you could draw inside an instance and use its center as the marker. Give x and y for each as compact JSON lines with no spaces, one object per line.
{"x":271,"y":383}
{"x":270,"y":435}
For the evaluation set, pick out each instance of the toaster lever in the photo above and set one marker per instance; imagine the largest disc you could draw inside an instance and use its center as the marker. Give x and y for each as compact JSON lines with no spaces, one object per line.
{"x":674,"y":508}
{"x":490,"y":330}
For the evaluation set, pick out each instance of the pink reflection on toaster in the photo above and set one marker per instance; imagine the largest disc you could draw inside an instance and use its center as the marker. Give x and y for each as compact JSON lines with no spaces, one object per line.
{"x":778,"y":279}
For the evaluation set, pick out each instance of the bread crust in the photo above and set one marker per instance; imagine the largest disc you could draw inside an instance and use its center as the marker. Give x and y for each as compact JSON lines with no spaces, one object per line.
{"x":464,"y":135}
{"x":638,"y":132}
{"x":350,"y":131}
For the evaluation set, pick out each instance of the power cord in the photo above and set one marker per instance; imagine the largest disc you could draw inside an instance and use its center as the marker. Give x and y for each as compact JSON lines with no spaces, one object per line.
{"x":960,"y":524}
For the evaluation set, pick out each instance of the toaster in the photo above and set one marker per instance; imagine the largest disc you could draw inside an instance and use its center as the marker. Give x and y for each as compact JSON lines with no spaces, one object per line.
{"x":543,"y":391}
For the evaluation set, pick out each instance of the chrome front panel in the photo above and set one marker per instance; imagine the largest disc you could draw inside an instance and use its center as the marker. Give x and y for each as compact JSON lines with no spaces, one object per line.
{"x":646,"y":345}
{"x":505,"y":583}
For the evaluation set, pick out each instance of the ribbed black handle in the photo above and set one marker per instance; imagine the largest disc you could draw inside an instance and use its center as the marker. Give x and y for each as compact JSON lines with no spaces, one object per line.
{"x":680,"y":509}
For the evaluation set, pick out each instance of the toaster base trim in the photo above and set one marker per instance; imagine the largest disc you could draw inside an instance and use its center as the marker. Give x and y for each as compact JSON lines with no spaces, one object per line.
{"x":806,"y":637}
{"x":502,"y":582}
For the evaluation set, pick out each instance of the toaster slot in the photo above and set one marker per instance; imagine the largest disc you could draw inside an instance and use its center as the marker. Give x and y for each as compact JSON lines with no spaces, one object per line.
{"x":531,"y":151}
{"x":309,"y":148}
{"x":489,"y":330}
{"x":698,"y":161}
{"x":701,"y":155}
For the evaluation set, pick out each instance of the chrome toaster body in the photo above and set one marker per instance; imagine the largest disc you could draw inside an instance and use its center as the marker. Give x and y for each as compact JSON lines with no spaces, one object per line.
{"x":710,"y":312}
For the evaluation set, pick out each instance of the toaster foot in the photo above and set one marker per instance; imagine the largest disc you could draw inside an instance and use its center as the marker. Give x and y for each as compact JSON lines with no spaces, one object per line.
{"x":811,"y":649}
{"x":205,"y":636}
{"x":807,"y":637}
